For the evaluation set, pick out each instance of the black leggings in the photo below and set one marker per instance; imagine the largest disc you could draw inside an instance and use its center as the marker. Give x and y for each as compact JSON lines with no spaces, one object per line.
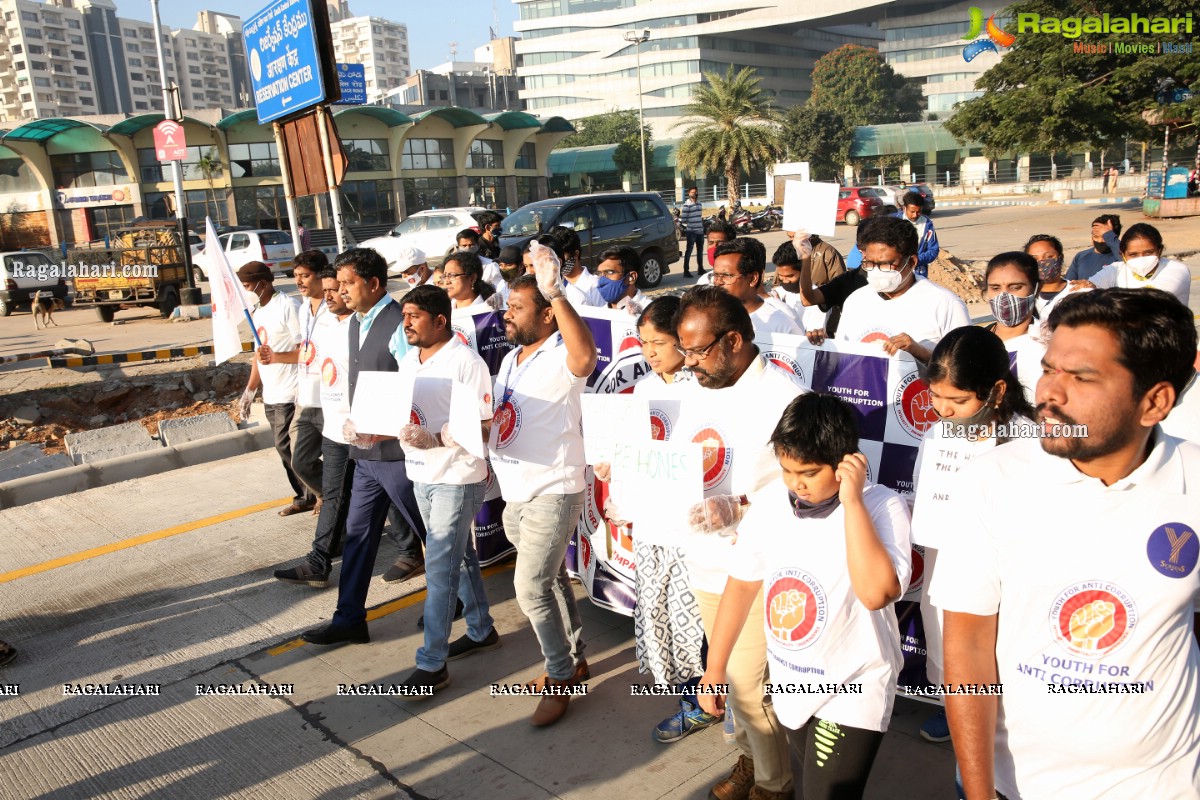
{"x":837,"y":759}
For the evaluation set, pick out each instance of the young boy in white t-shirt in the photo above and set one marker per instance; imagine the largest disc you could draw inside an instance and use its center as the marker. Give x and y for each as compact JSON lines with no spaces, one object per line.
{"x":830,"y":553}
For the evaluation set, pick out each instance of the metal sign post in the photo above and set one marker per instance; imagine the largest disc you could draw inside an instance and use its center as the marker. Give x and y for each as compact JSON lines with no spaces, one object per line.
{"x":288,"y":195}
{"x":335,"y":194}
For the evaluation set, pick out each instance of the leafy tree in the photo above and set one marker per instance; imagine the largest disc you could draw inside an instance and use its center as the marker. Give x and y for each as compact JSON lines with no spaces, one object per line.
{"x":856,"y":83}
{"x":729,"y":125}
{"x":628,"y":156}
{"x":821,"y":137}
{"x":1043,"y":96}
{"x":616,"y":127}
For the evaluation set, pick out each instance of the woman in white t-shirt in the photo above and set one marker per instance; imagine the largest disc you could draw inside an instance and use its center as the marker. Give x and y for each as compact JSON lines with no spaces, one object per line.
{"x":830,"y":553}
{"x":462,"y":278}
{"x":981,"y":405}
{"x":668,"y":630}
{"x":1144,"y":267}
{"x":1047,"y":251}
{"x":1011,"y":288}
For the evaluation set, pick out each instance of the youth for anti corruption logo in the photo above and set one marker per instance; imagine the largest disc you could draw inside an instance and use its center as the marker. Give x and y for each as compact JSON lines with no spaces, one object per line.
{"x":660,"y":425}
{"x":329,"y":372}
{"x":1092,"y":618}
{"x":717,"y":458}
{"x":507,"y":422}
{"x":995,"y":39}
{"x":796,"y":608}
{"x":914,"y":406}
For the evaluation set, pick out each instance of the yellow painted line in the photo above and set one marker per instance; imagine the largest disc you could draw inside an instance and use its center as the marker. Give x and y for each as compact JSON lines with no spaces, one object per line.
{"x":125,"y":544}
{"x":389,"y":608}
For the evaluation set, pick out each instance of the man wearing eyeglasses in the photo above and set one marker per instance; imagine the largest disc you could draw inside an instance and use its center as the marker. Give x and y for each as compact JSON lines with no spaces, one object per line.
{"x":617,"y":275}
{"x":898,"y":308}
{"x":741,"y":397}
{"x":738,"y":270}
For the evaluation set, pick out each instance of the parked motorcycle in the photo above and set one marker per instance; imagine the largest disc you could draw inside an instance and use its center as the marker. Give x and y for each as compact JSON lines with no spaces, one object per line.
{"x":741,"y":220}
{"x":768,"y":219}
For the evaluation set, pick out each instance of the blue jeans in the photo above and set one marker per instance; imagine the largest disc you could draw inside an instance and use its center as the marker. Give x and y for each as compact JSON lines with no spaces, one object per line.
{"x":694,"y":240}
{"x":540,"y":530}
{"x":451,"y":567}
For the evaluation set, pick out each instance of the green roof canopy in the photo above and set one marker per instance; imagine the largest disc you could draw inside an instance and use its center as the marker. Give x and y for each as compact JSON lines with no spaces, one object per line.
{"x":599,"y":158}
{"x":512,"y":120}
{"x":132,"y":125}
{"x":43,"y":130}
{"x":557,"y":125}
{"x":902,"y":138}
{"x":457,"y":117}
{"x":390,"y":116}
{"x":236,"y":117}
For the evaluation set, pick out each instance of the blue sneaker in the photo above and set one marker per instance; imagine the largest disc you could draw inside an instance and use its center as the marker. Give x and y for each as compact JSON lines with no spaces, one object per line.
{"x":936,"y":728}
{"x":689,"y":719}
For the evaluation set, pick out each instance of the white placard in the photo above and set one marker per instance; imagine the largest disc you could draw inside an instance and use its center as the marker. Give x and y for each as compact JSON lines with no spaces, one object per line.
{"x":810,"y":206}
{"x":464,"y":420}
{"x":611,"y":418}
{"x":659,"y":481}
{"x":382,"y":403}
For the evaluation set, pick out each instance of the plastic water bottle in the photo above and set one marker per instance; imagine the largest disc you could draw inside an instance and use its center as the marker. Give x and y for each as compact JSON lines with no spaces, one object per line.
{"x":729,"y":730}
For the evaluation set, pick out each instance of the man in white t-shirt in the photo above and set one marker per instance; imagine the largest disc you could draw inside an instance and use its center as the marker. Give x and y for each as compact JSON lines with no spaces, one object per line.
{"x":740,"y":398}
{"x":536,"y":448}
{"x":617,"y":271}
{"x":308,"y":421}
{"x":739,"y":270}
{"x":898,"y":308}
{"x":448,"y":481}
{"x":1082,"y":604}
{"x":277,"y":321}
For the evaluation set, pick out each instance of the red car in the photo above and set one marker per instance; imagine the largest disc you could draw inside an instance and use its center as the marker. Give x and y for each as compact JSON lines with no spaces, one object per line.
{"x":858,"y":203}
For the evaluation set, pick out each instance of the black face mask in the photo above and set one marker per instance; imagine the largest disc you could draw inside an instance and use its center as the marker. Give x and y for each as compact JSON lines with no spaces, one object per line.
{"x":805,"y":510}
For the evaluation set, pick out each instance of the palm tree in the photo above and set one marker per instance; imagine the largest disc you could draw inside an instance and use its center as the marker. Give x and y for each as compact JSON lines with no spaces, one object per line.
{"x":731,"y":125}
{"x":209,"y":164}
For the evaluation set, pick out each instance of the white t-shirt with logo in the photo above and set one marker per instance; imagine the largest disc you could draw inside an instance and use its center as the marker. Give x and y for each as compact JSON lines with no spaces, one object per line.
{"x":926,"y":312}
{"x":455,"y":367}
{"x":278,"y":325}
{"x":1092,"y":585}
{"x":536,"y":444}
{"x":1029,"y":352}
{"x":1171,"y":276}
{"x":773,"y":316}
{"x":309,"y":378}
{"x":734,"y":424}
{"x":817,"y":630}
{"x":333,"y":343}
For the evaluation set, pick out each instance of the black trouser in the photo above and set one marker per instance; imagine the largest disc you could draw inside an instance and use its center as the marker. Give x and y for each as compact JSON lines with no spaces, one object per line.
{"x":837,"y":759}
{"x":697,"y":240}
{"x":279,"y":415}
{"x":337,"y":476}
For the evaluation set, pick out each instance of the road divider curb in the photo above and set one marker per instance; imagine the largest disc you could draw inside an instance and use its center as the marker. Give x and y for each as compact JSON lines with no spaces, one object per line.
{"x":137,"y":355}
{"x":69,"y":480}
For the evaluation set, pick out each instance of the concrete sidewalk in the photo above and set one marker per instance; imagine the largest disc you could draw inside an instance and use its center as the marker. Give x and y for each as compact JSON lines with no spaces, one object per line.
{"x":191,"y":601}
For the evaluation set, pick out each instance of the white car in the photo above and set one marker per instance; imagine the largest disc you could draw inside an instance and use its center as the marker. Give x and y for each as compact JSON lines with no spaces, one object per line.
{"x":273,"y":248}
{"x":433,"y":232}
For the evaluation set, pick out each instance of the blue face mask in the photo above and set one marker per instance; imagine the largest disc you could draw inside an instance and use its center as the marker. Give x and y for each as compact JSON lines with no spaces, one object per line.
{"x":612,"y":291}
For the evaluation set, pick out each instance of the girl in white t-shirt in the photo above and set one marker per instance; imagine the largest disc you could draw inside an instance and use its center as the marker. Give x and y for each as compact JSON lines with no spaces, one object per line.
{"x":1144,"y":267}
{"x":981,"y":405}
{"x":1047,"y":251}
{"x":830,"y":553}
{"x":668,"y":630}
{"x":1011,"y":288}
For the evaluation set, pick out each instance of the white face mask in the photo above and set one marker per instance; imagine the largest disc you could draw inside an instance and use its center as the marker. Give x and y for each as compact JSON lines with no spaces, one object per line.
{"x":1142,"y":265}
{"x":885,"y":282}
{"x":412,"y":280}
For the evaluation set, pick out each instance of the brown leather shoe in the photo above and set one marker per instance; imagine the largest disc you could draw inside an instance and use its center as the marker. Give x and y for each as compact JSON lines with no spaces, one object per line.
{"x":739,"y":783}
{"x":581,"y":674}
{"x":759,"y":793}
{"x":551,"y":707}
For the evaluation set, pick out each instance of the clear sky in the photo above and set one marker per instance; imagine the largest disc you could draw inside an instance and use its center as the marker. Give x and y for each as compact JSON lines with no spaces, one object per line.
{"x":431,"y":25}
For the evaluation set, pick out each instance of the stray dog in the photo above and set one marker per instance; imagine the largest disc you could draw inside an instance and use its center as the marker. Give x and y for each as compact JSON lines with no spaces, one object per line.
{"x":43,"y":311}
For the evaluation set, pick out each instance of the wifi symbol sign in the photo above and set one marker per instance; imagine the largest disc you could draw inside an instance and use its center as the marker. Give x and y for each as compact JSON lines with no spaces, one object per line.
{"x":170,"y":143}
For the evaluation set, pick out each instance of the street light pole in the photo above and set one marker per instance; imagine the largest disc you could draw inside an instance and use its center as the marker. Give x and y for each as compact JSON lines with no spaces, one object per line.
{"x":638,"y":38}
{"x":189,"y":294}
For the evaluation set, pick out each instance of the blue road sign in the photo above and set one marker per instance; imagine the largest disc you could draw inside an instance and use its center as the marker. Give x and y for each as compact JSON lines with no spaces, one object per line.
{"x":281,"y":49}
{"x":353,"y":79}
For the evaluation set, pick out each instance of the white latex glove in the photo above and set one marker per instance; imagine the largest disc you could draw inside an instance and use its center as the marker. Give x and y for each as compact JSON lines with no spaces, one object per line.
{"x":633,"y":308}
{"x":602,"y":471}
{"x":612,"y":513}
{"x":802,"y":244}
{"x":354,"y":438}
{"x":547,"y":268}
{"x":417,"y":437}
{"x":716,"y":514}
{"x":244,"y":403}
{"x":447,"y":439}
{"x":495,"y":302}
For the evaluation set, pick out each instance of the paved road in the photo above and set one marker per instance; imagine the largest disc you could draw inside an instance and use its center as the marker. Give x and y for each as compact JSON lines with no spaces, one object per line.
{"x":166,"y":581}
{"x":970,"y":233}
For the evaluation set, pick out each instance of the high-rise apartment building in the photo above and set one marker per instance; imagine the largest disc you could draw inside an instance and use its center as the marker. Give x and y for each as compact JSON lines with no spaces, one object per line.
{"x":380,"y":45}
{"x":45,"y":56}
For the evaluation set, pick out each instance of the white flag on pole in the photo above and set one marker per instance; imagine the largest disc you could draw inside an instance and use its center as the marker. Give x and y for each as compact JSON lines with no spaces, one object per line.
{"x":227,"y":304}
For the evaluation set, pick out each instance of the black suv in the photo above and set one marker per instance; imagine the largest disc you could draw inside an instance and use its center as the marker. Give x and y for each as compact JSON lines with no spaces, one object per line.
{"x":637,"y":219}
